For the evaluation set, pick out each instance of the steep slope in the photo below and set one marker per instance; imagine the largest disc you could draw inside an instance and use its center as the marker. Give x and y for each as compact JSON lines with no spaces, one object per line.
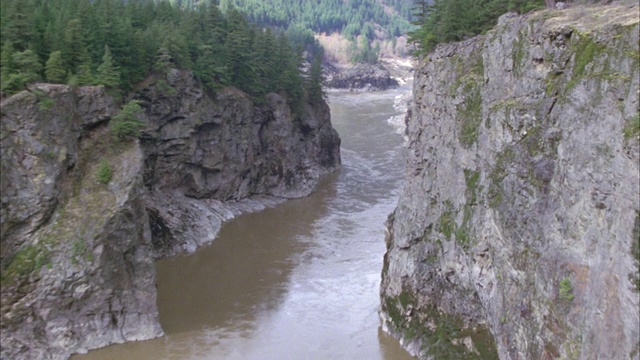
{"x":517,"y":233}
{"x":77,"y":253}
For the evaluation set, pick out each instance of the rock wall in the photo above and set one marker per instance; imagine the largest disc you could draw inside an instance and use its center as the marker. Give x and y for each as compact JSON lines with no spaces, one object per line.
{"x":517,"y":235}
{"x":77,"y":254}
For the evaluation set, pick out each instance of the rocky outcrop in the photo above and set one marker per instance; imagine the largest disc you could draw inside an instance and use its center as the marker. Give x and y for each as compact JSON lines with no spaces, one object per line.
{"x":362,"y":76}
{"x":77,"y":253}
{"x":202,"y":151}
{"x":517,"y":234}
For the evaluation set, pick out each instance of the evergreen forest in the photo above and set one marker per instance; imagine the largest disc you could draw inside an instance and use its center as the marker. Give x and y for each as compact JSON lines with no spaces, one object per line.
{"x":359,"y":21}
{"x":349,"y":17}
{"x":442,"y":21}
{"x":118,"y":43}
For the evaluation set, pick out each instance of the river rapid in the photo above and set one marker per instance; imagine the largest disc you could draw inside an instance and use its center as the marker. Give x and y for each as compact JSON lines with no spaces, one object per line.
{"x":299,"y":280}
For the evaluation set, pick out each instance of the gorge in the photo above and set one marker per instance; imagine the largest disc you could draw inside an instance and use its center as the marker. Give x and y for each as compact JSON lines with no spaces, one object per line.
{"x":515,"y":234}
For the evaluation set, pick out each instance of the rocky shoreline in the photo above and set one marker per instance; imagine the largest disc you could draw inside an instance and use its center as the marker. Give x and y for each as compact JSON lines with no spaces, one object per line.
{"x":388,"y":74}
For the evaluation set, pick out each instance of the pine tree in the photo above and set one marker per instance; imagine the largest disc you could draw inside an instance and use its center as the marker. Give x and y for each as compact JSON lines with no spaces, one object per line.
{"x":264,"y":62}
{"x":74,"y":48}
{"x":238,"y":51}
{"x":69,"y":37}
{"x":164,"y":61}
{"x":85,"y":74}
{"x":314,"y":81}
{"x":19,"y":29}
{"x":455,"y":20}
{"x":108,"y":74}
{"x":127,"y":124}
{"x":6,"y":59}
{"x":206,"y":67}
{"x":27,"y":70}
{"x":54,"y":68}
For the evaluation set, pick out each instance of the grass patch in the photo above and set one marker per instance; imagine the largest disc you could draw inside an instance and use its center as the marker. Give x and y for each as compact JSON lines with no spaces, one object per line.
{"x":447,"y":220}
{"x":24,"y":262}
{"x":45,"y":103}
{"x":104,"y":172}
{"x":632,"y":127}
{"x":442,"y":341}
{"x":79,"y":250}
{"x":471,"y":179}
{"x":499,"y":172}
{"x":518,"y":54}
{"x":471,"y":115}
{"x":566,"y":289}
{"x":585,"y":51}
{"x":447,"y":223}
{"x":394,"y":312}
{"x":165,"y":89}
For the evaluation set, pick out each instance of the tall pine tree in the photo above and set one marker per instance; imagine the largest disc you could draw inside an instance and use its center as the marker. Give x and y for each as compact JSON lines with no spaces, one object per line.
{"x":108,"y":74}
{"x":54,"y":68}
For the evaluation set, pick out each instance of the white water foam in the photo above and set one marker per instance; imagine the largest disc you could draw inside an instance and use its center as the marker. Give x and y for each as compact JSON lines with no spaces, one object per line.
{"x":400,"y":103}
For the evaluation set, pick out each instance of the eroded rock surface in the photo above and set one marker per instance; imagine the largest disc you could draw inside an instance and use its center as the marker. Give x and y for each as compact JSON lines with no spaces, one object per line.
{"x":77,"y":254}
{"x":517,"y":233}
{"x":362,"y":76}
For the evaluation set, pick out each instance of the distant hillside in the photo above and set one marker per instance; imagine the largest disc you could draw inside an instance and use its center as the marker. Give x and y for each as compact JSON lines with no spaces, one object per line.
{"x":363,"y":27}
{"x":351,"y":17}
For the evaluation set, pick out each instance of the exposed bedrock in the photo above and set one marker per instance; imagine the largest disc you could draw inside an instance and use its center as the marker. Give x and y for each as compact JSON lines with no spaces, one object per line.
{"x":517,"y":233}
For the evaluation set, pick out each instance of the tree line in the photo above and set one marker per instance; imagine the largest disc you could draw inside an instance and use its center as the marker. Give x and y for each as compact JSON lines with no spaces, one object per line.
{"x":118,"y":43}
{"x":350,"y":17}
{"x":357,"y":20}
{"x":443,"y":21}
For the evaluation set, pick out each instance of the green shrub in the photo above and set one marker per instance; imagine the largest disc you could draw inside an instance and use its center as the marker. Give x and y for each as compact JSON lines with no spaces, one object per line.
{"x":45,"y":104}
{"x":104,"y":173}
{"x":126,"y":123}
{"x":632,"y":128}
{"x":165,"y":89}
{"x":28,"y":260}
{"x":566,"y":289}
{"x":79,"y":251}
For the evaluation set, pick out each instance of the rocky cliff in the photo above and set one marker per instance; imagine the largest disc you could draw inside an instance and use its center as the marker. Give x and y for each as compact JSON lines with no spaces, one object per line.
{"x":517,"y":235}
{"x":77,"y":253}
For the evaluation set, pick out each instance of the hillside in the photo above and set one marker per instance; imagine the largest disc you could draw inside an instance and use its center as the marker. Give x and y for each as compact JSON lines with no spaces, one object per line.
{"x":365,"y":29}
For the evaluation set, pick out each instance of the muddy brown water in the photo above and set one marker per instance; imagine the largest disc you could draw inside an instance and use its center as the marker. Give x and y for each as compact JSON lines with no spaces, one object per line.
{"x":297,"y":281}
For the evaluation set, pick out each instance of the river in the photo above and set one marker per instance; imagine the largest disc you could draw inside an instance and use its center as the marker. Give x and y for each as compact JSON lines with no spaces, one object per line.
{"x":300,"y":280}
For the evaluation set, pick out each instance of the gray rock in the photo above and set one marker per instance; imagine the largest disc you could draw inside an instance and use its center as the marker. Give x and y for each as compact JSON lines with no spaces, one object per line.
{"x":362,"y":76}
{"x":77,"y":254}
{"x":516,"y":234}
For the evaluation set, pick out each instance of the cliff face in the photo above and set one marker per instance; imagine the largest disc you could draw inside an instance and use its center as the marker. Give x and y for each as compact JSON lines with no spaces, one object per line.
{"x":517,"y":233}
{"x":77,"y":254}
